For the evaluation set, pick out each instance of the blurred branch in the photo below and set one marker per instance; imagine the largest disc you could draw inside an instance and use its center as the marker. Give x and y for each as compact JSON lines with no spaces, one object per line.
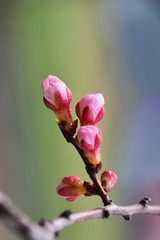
{"x":21,"y":224}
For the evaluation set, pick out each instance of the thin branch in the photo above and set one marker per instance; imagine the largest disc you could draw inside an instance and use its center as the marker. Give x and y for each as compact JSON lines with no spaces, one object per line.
{"x":91,"y":173}
{"x":104,"y":212}
{"x":21,"y":224}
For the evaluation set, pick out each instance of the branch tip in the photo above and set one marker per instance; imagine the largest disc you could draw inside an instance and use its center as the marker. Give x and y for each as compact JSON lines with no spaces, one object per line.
{"x":57,"y":234}
{"x":127,"y":217}
{"x":106,"y":214}
{"x":66,"y":214}
{"x":107,"y":201}
{"x":42,"y":222}
{"x":145,"y":201}
{"x":3,"y":210}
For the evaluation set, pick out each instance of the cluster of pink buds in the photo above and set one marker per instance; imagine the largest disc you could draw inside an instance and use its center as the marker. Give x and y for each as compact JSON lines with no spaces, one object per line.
{"x":89,"y":110}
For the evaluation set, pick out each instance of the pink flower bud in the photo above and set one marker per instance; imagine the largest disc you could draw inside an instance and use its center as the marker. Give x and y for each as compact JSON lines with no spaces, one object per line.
{"x":89,"y":139}
{"x":57,"y":97}
{"x":90,"y":109}
{"x":108,"y":180}
{"x":71,"y":188}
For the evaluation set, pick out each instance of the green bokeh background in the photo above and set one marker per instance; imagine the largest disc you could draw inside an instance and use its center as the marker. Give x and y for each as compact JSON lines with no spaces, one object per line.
{"x":62,"y":38}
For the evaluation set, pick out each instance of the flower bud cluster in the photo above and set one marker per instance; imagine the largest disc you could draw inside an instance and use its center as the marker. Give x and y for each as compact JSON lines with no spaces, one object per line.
{"x":89,"y":110}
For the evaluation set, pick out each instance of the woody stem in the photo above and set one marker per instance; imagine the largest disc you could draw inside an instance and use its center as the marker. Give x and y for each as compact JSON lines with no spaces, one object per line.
{"x":90,"y":172}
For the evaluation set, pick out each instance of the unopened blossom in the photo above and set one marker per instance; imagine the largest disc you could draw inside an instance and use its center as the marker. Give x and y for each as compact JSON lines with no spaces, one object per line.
{"x":89,"y":139}
{"x":71,"y":188}
{"x":90,"y":109}
{"x":108,"y":180}
{"x":57,"y":97}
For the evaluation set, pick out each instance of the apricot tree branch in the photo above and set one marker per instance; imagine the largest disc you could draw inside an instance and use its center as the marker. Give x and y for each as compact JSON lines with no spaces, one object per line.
{"x":90,"y":172}
{"x":21,"y":224}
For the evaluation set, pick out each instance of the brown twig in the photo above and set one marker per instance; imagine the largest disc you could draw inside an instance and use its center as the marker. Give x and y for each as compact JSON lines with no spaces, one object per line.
{"x":90,"y":172}
{"x":21,"y":224}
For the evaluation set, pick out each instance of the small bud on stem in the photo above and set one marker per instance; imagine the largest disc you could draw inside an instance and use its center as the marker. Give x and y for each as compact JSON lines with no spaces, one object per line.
{"x":108,"y":180}
{"x":57,"y":97}
{"x":89,"y":139}
{"x":90,"y":109}
{"x":71,"y":188}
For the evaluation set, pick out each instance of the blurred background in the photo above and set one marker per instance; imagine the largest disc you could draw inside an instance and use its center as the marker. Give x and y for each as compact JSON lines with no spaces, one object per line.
{"x":109,"y":47}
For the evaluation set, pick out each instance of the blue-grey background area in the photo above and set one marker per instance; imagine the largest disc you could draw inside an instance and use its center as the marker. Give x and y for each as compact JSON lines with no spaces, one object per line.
{"x":109,"y":47}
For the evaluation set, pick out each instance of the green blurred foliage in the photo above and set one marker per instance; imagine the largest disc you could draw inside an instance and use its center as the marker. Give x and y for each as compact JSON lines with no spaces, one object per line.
{"x":60,"y":38}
